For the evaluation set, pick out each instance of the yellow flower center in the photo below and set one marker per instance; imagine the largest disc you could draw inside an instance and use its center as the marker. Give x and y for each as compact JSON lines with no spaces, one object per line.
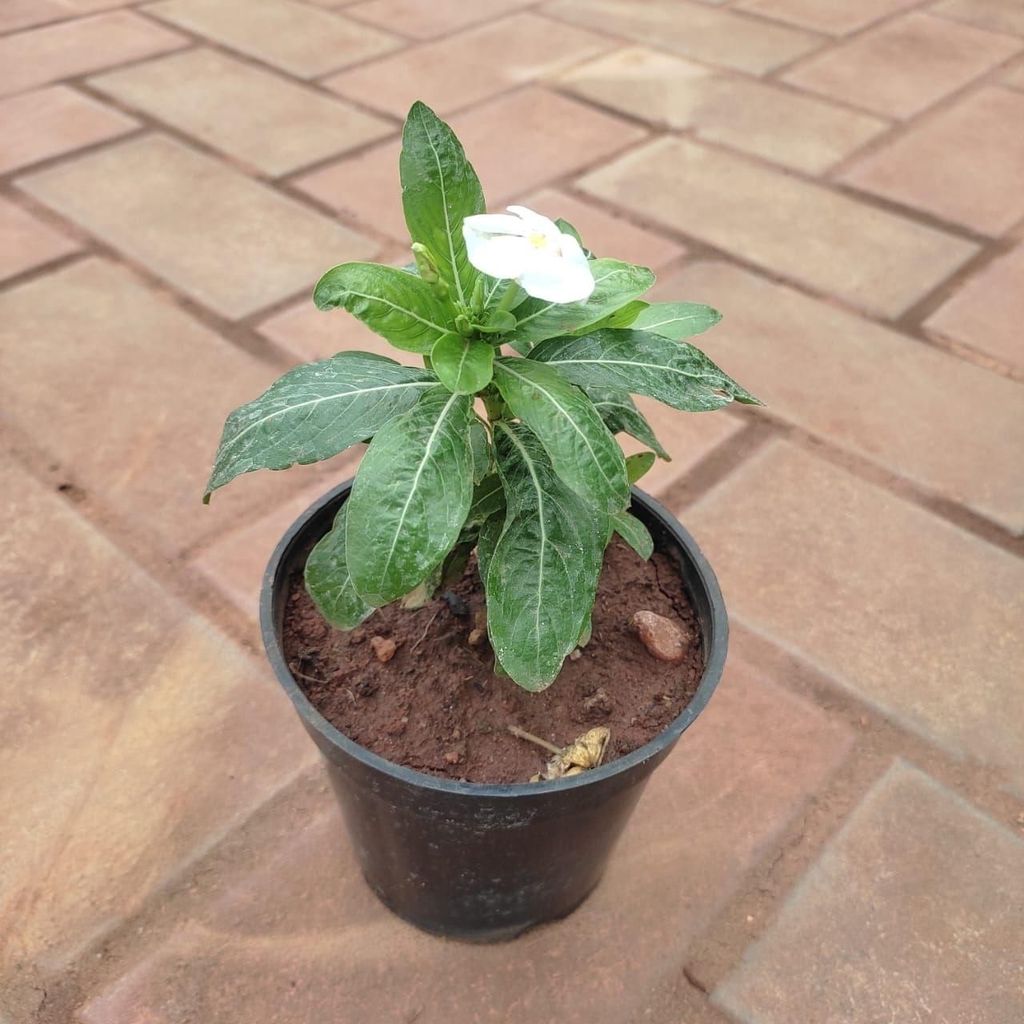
{"x":538,"y":240}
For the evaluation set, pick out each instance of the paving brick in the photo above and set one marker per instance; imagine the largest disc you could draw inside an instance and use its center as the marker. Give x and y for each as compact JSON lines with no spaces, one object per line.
{"x":687,"y":437}
{"x":782,"y":125}
{"x":47,"y":122}
{"x":837,"y":17}
{"x":693,"y":30}
{"x":869,"y":257}
{"x":905,"y":65}
{"x":997,"y":15}
{"x":229,"y":242}
{"x":22,"y":14}
{"x":905,"y":611}
{"x":309,"y":333}
{"x":607,"y":234}
{"x":364,"y":188}
{"x":911,"y":914}
{"x":987,"y":311}
{"x":132,"y":742}
{"x":469,"y":67}
{"x":235,"y":563}
{"x":517,"y":143}
{"x":42,"y":55}
{"x":1015,"y":76}
{"x":293,"y":36}
{"x":965,"y":164}
{"x":143,"y":391}
{"x":738,"y":776}
{"x":428,"y":21}
{"x":265,"y":120}
{"x":868,"y":389}
{"x":27,"y":242}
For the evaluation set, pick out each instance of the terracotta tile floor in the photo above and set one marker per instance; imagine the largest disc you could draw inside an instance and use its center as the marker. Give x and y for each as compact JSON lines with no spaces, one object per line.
{"x":841,"y":838}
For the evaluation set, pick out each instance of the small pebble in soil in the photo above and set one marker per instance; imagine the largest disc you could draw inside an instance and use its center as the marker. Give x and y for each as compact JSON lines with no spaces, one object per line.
{"x":476,"y":637}
{"x":662,"y":637}
{"x":452,"y":757}
{"x":383,"y":647}
{"x":575,"y":654}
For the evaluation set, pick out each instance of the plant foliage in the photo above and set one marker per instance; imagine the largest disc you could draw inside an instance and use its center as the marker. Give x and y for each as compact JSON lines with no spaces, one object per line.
{"x":538,"y":486}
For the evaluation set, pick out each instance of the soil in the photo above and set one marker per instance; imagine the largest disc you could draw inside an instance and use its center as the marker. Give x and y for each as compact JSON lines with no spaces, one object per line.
{"x":436,"y":705}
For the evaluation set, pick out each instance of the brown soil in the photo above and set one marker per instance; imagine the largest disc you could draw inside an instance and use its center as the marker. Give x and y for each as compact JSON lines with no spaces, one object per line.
{"x":436,"y":706}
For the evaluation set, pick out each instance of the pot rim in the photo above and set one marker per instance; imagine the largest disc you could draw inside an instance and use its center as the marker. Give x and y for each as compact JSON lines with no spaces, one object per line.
{"x":717,"y":647}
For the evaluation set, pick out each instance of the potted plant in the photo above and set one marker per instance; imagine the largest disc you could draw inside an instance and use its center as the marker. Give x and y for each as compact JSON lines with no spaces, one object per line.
{"x":478,"y":522}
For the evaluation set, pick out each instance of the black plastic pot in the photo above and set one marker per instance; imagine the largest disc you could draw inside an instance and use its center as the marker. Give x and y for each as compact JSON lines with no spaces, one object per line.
{"x":485,"y":862}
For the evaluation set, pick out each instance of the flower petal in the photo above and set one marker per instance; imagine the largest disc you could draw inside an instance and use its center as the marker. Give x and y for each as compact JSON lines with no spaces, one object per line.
{"x":493,"y":224}
{"x":557,"y":279}
{"x":503,"y":256}
{"x":536,"y":223}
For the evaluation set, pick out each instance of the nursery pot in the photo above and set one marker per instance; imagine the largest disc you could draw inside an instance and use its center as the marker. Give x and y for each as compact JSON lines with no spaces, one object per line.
{"x":485,"y":862}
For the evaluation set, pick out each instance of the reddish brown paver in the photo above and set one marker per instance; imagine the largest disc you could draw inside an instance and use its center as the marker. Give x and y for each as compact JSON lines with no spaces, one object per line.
{"x":841,"y":179}
{"x":428,"y":21}
{"x":965,"y":164}
{"x":607,"y":233}
{"x":693,"y":29}
{"x":905,"y":65}
{"x":912,"y":913}
{"x":833,"y":243}
{"x":987,"y":313}
{"x":907,"y":612}
{"x":159,"y":429}
{"x":42,"y":55}
{"x":286,"y":34}
{"x":48,"y":122}
{"x":833,"y":16}
{"x":249,"y":113}
{"x":517,"y":143}
{"x":127,"y":754}
{"x":26,"y":242}
{"x":197,"y":223}
{"x":815,"y":366}
{"x":737,"y":777}
{"x":470,"y":66}
{"x":782,"y":125}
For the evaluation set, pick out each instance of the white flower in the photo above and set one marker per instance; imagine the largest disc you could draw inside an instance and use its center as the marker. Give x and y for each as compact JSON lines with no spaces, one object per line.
{"x":529,"y":249}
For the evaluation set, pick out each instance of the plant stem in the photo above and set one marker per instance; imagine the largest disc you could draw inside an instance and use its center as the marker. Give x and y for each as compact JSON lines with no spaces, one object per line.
{"x":524,"y":735}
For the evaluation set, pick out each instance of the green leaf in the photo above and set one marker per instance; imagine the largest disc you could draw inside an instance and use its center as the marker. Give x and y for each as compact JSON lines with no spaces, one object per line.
{"x":673,"y":372}
{"x":621,"y":416}
{"x":439,"y":190}
{"x":542,"y":574}
{"x":567,"y":229}
{"x":463,"y":365}
{"x":488,"y":500}
{"x":634,"y":533}
{"x":676,"y":320}
{"x":411,"y":496}
{"x":579,"y":445}
{"x":487,"y":541}
{"x":329,"y":582}
{"x":638,"y":465}
{"x":622,"y":317}
{"x":481,"y":445}
{"x":314,"y":412}
{"x":399,"y":306}
{"x":455,"y":563}
{"x":615,"y":284}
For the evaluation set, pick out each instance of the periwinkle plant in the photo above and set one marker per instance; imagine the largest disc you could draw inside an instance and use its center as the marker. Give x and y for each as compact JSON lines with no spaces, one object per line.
{"x":539,"y":485}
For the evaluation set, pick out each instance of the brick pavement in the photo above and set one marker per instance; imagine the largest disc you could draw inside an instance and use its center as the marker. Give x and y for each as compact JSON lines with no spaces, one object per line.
{"x":841,"y":838}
